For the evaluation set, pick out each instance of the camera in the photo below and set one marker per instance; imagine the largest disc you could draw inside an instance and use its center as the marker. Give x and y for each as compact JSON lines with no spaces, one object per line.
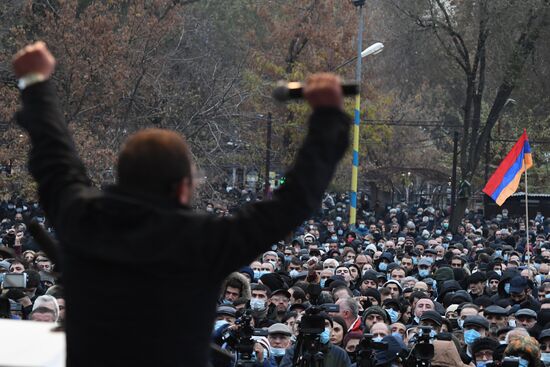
{"x":422,"y":350}
{"x":364,"y":353}
{"x":309,"y":349}
{"x":15,"y":280}
{"x":241,"y":340}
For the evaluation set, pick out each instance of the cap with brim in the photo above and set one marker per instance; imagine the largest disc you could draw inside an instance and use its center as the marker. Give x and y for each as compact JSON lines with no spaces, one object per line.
{"x":544,"y":334}
{"x":283,"y":292}
{"x":432,"y":316}
{"x":476,"y":321}
{"x":518,"y":284}
{"x":279,"y":328}
{"x":430,"y":251}
{"x":391,"y":301}
{"x":297,"y":306}
{"x":495,"y":310}
{"x":425,"y":262}
{"x":526,"y":312}
{"x":226,"y":310}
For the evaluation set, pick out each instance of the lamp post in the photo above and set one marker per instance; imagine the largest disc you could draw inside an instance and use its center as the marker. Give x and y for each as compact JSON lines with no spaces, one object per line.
{"x":372,"y":50}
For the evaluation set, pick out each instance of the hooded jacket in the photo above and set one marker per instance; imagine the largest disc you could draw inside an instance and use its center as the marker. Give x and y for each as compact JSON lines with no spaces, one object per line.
{"x":446,"y":355}
{"x":238,"y":277}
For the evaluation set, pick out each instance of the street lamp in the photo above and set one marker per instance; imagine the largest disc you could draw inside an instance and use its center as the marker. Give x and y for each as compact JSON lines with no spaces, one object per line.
{"x":373,"y":49}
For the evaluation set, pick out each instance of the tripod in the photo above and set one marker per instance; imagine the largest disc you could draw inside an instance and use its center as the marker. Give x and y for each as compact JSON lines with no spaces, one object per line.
{"x":307,"y":352}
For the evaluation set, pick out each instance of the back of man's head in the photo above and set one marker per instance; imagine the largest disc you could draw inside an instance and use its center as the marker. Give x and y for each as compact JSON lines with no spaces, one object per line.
{"x":154,"y":161}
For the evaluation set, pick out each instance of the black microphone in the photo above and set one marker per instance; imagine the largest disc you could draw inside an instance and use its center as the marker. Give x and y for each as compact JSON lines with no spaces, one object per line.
{"x":287,"y":91}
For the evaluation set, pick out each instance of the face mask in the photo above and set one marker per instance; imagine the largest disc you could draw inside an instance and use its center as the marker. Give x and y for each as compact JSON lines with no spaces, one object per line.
{"x":378,"y":339}
{"x":219,"y":323}
{"x":539,"y":279}
{"x":330,"y":228}
{"x":277,"y":352}
{"x":545,"y":357}
{"x":325,"y":336}
{"x":398,"y":336}
{"x":334,"y":238}
{"x":547,"y":295}
{"x":523,"y":362}
{"x":483,"y":363}
{"x":227,"y":302}
{"x":382,"y":266}
{"x":288,"y":258}
{"x":445,"y":225}
{"x":502,"y":342}
{"x":506,"y":257}
{"x":425,"y":219}
{"x":512,"y":323}
{"x":417,"y":319}
{"x":415,"y":260}
{"x":273,"y":262}
{"x":498,"y":252}
{"x":449,"y":238}
{"x":273,"y":248}
{"x":322,"y":283}
{"x":507,"y":288}
{"x":294,"y":273}
{"x":210,"y":210}
{"x":470,"y":336}
{"x":460,"y":323}
{"x":438,"y":232}
{"x":340,"y":232}
{"x":394,"y":315}
{"x":423,"y":273}
{"x":257,"y":304}
{"x":361,"y":226}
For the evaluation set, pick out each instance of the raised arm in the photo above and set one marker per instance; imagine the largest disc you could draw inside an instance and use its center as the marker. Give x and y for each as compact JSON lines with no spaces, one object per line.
{"x":53,"y":161}
{"x":255,"y":227}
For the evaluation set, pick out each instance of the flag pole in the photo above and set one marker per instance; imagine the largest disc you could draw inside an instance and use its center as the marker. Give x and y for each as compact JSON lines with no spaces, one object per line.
{"x":527,"y":220}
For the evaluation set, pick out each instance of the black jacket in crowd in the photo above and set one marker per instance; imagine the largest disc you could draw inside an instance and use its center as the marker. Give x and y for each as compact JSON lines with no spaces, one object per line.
{"x":142,"y":274}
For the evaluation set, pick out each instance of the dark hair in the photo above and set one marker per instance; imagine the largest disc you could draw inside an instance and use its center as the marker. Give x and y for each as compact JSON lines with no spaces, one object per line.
{"x":298,"y":293}
{"x":261,"y":287}
{"x":234,"y":283}
{"x":154,"y":161}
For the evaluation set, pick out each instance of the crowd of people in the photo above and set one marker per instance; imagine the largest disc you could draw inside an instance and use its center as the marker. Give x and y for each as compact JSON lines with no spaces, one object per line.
{"x":483,"y":293}
{"x":481,"y":290}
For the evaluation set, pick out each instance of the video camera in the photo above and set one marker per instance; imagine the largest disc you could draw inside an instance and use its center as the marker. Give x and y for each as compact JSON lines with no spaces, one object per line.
{"x":422,"y":351}
{"x":241,"y":339}
{"x":308,"y":351}
{"x":364,"y":352}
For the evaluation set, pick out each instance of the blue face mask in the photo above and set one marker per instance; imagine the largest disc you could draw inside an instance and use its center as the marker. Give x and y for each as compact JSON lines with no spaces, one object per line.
{"x":219,"y":323}
{"x":378,"y":339}
{"x":547,"y":295}
{"x":545,"y":357}
{"x":483,"y":363}
{"x":423,"y":273}
{"x":394,"y":315}
{"x":257,"y":304}
{"x":523,"y":362}
{"x":325,"y":336}
{"x":288,"y":258}
{"x":257,"y":274}
{"x":294,"y":273}
{"x":506,"y":257}
{"x":415,"y":260}
{"x":227,"y":302}
{"x":323,"y":281}
{"x":498,"y":252}
{"x":383,"y":266}
{"x":507,"y":288}
{"x":470,"y":336}
{"x":277,"y":352}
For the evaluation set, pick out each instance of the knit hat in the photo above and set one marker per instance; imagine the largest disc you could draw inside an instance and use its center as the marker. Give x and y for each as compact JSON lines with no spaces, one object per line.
{"x":390,"y":354}
{"x":444,"y":273}
{"x":375,"y":310}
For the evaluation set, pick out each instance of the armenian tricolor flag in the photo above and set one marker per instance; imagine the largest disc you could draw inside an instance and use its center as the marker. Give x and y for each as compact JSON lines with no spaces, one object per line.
{"x":505,"y":181}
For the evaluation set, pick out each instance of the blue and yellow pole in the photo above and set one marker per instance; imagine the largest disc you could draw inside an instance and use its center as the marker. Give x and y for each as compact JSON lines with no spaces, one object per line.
{"x":357,"y":120}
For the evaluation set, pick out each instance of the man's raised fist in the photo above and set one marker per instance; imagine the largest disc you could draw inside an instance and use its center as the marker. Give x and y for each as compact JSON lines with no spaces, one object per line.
{"x":34,"y":59}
